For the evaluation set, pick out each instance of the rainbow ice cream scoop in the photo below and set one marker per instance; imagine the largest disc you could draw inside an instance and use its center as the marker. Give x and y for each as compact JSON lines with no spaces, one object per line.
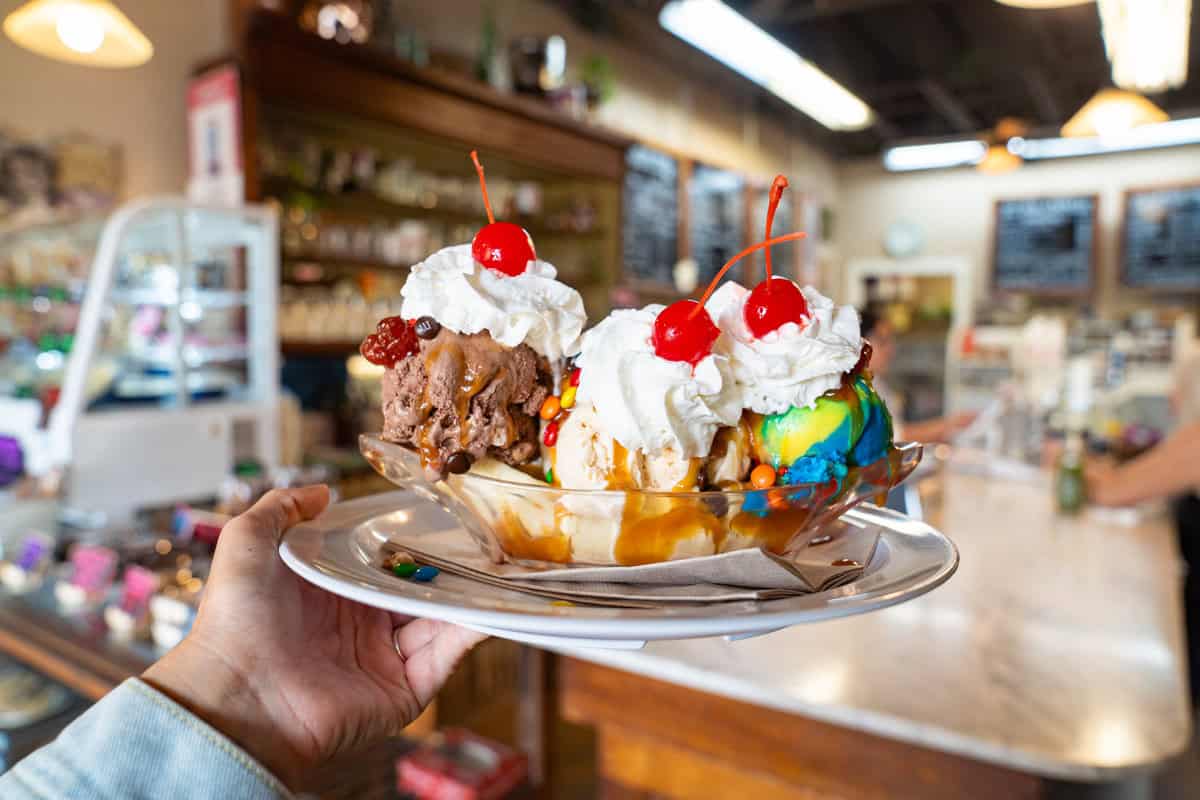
{"x":810,"y":408}
{"x":848,"y":427}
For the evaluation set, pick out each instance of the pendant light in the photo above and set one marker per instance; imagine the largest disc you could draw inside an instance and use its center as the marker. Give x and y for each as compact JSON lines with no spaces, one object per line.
{"x":1000,"y":157}
{"x":92,"y":33}
{"x":1113,"y":112}
{"x":1147,"y":42}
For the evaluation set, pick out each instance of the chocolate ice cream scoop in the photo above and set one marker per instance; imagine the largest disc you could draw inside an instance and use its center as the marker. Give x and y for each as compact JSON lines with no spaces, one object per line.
{"x":463,"y":396}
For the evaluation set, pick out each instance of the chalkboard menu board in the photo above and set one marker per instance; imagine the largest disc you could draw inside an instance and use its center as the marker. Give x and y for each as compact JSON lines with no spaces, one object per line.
{"x":1161,"y":237}
{"x":1045,"y":245}
{"x":716,"y":218}
{"x":650,"y":203}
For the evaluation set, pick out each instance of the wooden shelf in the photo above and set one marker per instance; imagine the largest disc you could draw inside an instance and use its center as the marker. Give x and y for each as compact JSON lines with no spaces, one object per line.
{"x":338,"y":261}
{"x":366,"y":203}
{"x":360,"y":81}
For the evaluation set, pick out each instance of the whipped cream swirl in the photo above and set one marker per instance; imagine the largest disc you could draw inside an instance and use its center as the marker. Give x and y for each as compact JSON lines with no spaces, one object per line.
{"x":466,"y":297}
{"x":793,"y":365}
{"x":646,"y":402}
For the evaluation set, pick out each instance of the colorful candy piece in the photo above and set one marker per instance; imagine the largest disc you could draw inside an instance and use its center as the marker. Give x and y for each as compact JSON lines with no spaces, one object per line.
{"x":425,"y":574}
{"x":550,"y":408}
{"x":405,"y":570}
{"x":568,"y":397}
{"x":763,"y":476}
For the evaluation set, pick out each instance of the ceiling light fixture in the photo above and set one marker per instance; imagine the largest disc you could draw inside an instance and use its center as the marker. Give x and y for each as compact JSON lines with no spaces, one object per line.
{"x":968,"y":152}
{"x":93,"y":33}
{"x":936,"y":155}
{"x":744,"y":47}
{"x":1146,"y":137}
{"x":1147,"y":42}
{"x":998,"y":160}
{"x":1040,"y":4}
{"x":1113,"y":112}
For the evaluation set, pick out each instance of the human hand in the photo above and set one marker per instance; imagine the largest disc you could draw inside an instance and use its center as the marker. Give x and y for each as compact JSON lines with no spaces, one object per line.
{"x":961,"y":421}
{"x":1103,"y":487}
{"x":293,"y":674}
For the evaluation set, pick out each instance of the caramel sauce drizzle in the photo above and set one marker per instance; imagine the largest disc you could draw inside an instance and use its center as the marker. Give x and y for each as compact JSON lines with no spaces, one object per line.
{"x":652,"y":526}
{"x":518,"y":542}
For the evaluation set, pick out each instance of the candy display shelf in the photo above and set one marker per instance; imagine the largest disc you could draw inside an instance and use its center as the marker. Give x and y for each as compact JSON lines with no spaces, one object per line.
{"x":165,"y":354}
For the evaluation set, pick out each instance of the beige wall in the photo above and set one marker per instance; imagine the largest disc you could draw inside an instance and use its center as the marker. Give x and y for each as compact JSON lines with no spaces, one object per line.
{"x":141,"y":109}
{"x":656,"y":99}
{"x":955,"y":207}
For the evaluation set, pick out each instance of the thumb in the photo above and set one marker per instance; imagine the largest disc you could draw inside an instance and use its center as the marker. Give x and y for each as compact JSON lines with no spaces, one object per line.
{"x":280,"y":509}
{"x":263,"y":525}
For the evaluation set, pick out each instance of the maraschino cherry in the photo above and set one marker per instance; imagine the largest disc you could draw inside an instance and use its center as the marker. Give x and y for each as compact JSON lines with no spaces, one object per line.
{"x":776,"y":301}
{"x":502,"y":246}
{"x":684,"y":331}
{"x":772,"y":304}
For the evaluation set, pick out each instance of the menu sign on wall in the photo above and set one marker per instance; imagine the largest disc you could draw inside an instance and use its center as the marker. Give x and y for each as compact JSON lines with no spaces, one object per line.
{"x":716,"y":218}
{"x":1161,"y":239}
{"x":650,"y":204}
{"x":1045,"y":245}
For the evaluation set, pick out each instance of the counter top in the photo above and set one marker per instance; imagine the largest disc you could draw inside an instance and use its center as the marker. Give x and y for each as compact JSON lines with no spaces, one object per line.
{"x":1057,"y":649}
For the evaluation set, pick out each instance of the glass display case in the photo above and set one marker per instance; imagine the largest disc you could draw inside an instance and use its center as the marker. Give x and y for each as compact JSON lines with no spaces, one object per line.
{"x":150,"y":334}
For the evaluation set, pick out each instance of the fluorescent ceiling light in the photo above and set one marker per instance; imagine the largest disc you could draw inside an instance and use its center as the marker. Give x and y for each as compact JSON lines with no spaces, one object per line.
{"x":967,"y":152}
{"x":744,"y":47}
{"x":1043,"y":3}
{"x":93,"y":33}
{"x":934,"y":156}
{"x":1146,"y":137}
{"x":1147,"y":42}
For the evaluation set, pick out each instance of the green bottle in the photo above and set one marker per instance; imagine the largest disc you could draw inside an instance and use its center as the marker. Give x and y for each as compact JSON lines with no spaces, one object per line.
{"x":1070,"y":486}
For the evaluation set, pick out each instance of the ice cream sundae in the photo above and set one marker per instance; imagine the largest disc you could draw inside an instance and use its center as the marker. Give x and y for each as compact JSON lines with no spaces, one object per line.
{"x":690,"y":429}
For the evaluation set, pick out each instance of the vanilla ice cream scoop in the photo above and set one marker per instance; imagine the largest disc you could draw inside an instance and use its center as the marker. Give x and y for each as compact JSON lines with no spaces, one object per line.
{"x":645,"y":402}
{"x":585,"y":457}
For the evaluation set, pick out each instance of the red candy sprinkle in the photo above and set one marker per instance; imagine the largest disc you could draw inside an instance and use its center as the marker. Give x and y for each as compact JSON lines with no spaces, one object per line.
{"x":393,"y":341}
{"x":774,"y":303}
{"x":684,"y":331}
{"x":575,"y":376}
{"x":550,"y":436}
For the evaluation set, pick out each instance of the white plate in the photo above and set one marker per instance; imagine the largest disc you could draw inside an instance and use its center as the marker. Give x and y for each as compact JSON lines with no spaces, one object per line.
{"x":339,"y":552}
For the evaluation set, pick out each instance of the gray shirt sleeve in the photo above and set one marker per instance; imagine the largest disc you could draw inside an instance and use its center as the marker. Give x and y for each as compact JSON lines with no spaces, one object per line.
{"x":137,"y":743}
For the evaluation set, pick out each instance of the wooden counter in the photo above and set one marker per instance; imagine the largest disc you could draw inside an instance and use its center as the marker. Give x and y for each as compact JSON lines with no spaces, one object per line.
{"x":1057,"y":651}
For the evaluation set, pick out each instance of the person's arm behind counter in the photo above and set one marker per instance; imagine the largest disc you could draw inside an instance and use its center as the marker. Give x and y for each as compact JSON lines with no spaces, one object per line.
{"x":1169,"y":468}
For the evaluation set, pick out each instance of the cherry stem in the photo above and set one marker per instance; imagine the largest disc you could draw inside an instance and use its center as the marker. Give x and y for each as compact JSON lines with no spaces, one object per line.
{"x":777,"y":186}
{"x":487,"y":204}
{"x":787,"y":237}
